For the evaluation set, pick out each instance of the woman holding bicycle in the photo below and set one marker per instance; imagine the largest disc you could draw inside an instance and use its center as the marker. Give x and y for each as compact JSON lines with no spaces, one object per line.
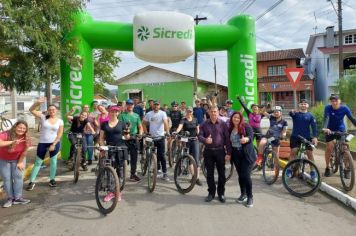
{"x":13,"y":149}
{"x":50,"y":136}
{"x":243,"y":155}
{"x":190,"y":124}
{"x":79,"y":124}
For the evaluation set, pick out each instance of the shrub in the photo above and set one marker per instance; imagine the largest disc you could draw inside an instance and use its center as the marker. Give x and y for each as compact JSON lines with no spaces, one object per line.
{"x":318,"y":113}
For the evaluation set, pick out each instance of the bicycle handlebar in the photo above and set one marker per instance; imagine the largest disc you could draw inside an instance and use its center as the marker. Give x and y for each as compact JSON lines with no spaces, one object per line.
{"x":304,"y":140}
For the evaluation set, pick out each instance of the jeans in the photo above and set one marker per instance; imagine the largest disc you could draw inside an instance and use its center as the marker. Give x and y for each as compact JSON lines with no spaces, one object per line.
{"x":160,"y":145}
{"x":90,"y":142}
{"x":193,"y":146}
{"x":243,"y":168}
{"x":13,"y":178}
{"x":132,"y":148}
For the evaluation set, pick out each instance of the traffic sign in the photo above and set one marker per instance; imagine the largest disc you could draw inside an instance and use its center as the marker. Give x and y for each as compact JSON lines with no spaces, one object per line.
{"x":294,"y":75}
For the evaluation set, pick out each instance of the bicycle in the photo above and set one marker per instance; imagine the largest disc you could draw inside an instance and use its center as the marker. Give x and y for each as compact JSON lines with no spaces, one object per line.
{"x":108,"y":185}
{"x":172,"y":151}
{"x":270,"y":163}
{"x":185,"y":170}
{"x":5,"y":124}
{"x":77,"y":158}
{"x":149,"y":161}
{"x":301,"y":177}
{"x":341,"y":159}
{"x":229,"y":169}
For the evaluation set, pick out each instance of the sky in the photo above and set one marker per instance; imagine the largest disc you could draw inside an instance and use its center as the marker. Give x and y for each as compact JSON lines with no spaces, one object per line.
{"x":287,"y":26}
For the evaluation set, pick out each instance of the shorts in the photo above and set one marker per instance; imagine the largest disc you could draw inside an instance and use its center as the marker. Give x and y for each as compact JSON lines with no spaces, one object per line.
{"x":295,"y":142}
{"x":42,"y":149}
{"x":275,"y":143}
{"x":330,"y":137}
{"x":257,"y":133}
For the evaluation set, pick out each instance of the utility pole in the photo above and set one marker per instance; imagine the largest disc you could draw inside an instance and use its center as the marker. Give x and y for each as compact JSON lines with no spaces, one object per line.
{"x":196,"y":19}
{"x":341,"y":58}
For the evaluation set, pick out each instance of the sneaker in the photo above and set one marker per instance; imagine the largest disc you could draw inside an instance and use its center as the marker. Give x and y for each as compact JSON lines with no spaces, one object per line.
{"x":165,"y":177}
{"x":85,"y":168}
{"x":30,"y":186}
{"x":109,"y":197}
{"x":289,"y":173}
{"x":249,"y":202}
{"x":8,"y":203}
{"x":241,"y":199}
{"x":199,"y":183}
{"x":21,"y":201}
{"x":52,"y":183}
{"x":159,"y":174}
{"x":313,"y":176}
{"x":90,"y":162}
{"x":327,"y":172}
{"x":135,"y":178}
{"x":347,"y":174}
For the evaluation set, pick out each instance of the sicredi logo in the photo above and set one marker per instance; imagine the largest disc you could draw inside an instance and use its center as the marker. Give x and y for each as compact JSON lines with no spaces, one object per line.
{"x":163,"y":37}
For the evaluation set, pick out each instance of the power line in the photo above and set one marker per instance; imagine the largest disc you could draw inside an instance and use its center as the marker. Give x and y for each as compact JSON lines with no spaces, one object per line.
{"x":269,"y":9}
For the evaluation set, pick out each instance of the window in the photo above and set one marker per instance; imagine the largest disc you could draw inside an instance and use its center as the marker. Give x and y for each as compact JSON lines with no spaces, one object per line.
{"x":275,"y":70}
{"x":350,"y":39}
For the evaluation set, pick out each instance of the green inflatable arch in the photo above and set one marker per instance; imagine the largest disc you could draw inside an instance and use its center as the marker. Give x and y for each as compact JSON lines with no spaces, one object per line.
{"x":237,"y":37}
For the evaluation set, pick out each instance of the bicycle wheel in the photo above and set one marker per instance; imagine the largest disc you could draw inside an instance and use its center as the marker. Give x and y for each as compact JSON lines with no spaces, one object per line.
{"x":152,"y":172}
{"x":77,"y":160}
{"x":334,"y":163}
{"x":122,"y":176}
{"x":183,"y":176}
{"x":347,"y":171}
{"x":5,"y":124}
{"x":107,"y":190}
{"x":270,"y":167}
{"x":143,"y":163}
{"x":305,"y":179}
{"x":256,"y":167}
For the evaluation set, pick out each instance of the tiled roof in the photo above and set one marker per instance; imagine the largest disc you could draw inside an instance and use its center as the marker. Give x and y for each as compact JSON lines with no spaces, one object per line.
{"x":296,"y":53}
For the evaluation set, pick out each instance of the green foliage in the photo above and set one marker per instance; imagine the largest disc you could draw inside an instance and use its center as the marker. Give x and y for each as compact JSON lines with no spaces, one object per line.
{"x":346,"y":87}
{"x":318,"y":112}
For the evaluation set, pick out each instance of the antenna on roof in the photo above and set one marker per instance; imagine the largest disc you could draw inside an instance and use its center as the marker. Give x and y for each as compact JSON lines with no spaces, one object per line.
{"x":316,"y":24}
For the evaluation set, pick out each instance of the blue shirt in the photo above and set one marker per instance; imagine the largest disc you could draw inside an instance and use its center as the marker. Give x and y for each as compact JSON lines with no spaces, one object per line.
{"x":302,"y":123}
{"x":235,"y":140}
{"x":139,"y":111}
{"x":198,"y":113}
{"x":336,"y":117}
{"x":276,"y":127}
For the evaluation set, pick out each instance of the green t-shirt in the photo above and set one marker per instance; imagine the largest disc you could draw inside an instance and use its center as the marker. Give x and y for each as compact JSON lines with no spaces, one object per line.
{"x":134,"y":120}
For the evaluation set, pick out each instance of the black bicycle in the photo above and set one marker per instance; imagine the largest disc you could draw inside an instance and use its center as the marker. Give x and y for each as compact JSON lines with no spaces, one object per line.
{"x":108,"y":185}
{"x":74,"y":164}
{"x":341,"y":159}
{"x":185,"y":170}
{"x":172,"y":150}
{"x":270,"y":163}
{"x":149,"y":161}
{"x":301,"y":177}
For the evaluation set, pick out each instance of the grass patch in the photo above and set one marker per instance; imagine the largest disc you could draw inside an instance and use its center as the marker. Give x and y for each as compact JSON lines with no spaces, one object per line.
{"x":353,"y":144}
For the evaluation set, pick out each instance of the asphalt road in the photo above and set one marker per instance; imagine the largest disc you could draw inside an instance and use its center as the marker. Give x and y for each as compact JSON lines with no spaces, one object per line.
{"x":71,"y":210}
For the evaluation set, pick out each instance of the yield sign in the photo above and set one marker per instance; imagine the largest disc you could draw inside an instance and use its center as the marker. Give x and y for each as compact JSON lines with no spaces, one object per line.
{"x":294,"y":75}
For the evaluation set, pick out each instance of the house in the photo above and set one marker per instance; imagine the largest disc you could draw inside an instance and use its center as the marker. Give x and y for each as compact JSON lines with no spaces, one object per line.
{"x":273,"y":85}
{"x":157,"y":83}
{"x":323,"y":59}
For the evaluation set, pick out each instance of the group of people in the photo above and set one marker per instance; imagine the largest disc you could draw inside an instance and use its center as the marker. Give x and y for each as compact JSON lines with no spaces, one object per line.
{"x":223,"y":132}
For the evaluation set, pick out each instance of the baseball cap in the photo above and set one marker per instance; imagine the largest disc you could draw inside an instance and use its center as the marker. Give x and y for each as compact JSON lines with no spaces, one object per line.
{"x":277,"y":108}
{"x":333,"y":96}
{"x":174,"y":103}
{"x":129,"y":101}
{"x":190,"y":109}
{"x":156,"y":102}
{"x":114,"y":108}
{"x":229,"y":101}
{"x":303,"y":101}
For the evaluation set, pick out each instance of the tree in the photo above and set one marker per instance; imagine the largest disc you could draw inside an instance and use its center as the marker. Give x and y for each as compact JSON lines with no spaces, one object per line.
{"x":31,"y":41}
{"x":346,"y":88}
{"x":105,"y":62}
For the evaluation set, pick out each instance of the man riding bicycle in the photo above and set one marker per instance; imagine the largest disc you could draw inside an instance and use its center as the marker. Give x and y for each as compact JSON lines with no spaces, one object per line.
{"x":334,"y":121}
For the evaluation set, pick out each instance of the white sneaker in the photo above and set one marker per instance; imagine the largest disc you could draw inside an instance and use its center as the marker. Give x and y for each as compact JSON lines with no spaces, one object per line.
{"x":165,"y":177}
{"x":7,"y":204}
{"x":159,"y":174}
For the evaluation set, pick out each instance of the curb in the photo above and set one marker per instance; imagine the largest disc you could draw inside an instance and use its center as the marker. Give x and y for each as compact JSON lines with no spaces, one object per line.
{"x":342,"y":197}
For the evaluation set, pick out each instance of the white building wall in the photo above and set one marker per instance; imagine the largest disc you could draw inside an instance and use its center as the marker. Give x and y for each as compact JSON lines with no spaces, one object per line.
{"x":155,"y":76}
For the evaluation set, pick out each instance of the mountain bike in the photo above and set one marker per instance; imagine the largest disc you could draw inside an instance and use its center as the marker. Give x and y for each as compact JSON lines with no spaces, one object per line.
{"x":270,"y":163}
{"x":185,"y":170}
{"x":108,"y":186}
{"x":341,"y":159}
{"x":301,"y":177}
{"x":5,"y":124}
{"x":78,"y":155}
{"x":149,"y":161}
{"x":172,"y":150}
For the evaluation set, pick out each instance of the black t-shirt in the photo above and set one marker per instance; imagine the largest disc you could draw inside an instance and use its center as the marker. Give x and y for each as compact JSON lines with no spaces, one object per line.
{"x":77,"y":125}
{"x":190,"y":126}
{"x":176,"y":117}
{"x":113,"y":136}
